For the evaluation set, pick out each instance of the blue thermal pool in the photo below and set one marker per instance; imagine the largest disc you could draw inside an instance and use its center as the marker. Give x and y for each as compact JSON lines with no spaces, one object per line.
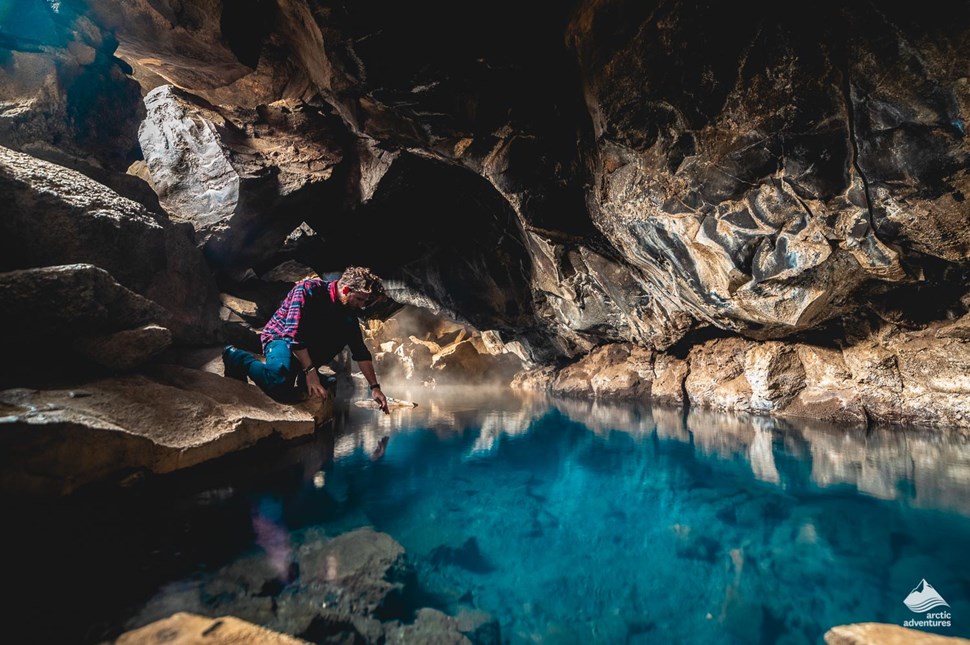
{"x":565,"y":521}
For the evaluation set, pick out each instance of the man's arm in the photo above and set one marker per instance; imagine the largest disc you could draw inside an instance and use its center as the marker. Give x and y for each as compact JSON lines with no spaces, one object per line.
{"x":313,"y":385}
{"x":367,"y":369}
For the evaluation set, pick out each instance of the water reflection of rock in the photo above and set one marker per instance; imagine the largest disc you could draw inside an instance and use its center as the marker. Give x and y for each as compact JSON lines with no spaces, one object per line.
{"x":445,"y":411}
{"x":601,"y":416}
{"x":928,"y":470}
{"x":936,"y":471}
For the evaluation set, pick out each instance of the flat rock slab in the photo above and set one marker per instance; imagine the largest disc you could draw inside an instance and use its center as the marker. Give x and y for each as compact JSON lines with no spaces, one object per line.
{"x":53,"y":441}
{"x":392,"y":404}
{"x":883,"y":634}
{"x":188,"y":629}
{"x":209,"y":359}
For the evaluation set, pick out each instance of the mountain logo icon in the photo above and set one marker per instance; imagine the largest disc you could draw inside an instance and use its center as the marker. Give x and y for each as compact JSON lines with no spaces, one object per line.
{"x":923,"y":598}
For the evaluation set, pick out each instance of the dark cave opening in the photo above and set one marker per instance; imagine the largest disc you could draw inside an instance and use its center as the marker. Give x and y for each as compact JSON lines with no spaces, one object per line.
{"x":467,"y":253}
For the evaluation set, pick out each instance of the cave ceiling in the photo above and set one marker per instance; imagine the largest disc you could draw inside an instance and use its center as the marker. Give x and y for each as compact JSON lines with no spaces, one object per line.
{"x":568,"y":173}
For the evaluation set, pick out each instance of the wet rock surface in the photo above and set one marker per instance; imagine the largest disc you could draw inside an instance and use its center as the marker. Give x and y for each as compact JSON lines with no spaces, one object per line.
{"x":349,"y":588}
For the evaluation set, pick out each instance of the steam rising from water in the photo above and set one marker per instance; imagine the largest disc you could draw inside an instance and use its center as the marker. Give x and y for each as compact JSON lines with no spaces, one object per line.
{"x":416,"y":347}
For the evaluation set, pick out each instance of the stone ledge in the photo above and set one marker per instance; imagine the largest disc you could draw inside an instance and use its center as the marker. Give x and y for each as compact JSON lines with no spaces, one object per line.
{"x":884,"y":634}
{"x":187,"y":629}
{"x":164,"y":419}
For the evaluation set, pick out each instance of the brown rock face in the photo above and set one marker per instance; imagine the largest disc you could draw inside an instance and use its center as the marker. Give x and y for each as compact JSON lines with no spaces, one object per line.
{"x":58,"y":216}
{"x":881,"y":634}
{"x":58,"y":439}
{"x":892,"y":376}
{"x":611,"y":371}
{"x":670,"y":373}
{"x":716,"y":375}
{"x":227,"y":52}
{"x":567,"y":176}
{"x":752,"y":166}
{"x":775,"y":373}
{"x":61,"y":85}
{"x":243,"y":177}
{"x":183,"y":627}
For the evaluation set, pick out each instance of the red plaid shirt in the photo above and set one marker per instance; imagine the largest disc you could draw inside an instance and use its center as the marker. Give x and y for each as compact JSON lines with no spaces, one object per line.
{"x":285,"y":323}
{"x":331,"y":325}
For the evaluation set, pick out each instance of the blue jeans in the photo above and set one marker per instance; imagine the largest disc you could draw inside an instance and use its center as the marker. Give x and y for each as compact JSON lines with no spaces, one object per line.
{"x":277,"y":375}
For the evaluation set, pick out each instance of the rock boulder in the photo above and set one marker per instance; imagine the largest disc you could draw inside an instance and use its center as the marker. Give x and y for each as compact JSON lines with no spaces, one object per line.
{"x":58,"y":216}
{"x":59,"y":439}
{"x":240,"y":176}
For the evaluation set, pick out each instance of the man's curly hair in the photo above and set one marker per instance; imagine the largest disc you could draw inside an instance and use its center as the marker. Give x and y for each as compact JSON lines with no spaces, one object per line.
{"x":362,"y":280}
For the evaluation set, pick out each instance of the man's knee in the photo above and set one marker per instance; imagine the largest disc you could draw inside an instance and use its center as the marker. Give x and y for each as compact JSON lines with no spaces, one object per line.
{"x":277,"y":376}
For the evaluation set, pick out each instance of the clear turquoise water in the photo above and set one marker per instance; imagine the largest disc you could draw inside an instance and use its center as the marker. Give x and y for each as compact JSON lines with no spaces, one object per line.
{"x":575,"y":522}
{"x":568,"y":522}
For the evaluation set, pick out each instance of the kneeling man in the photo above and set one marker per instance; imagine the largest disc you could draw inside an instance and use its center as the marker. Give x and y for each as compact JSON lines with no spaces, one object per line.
{"x":315,"y":322}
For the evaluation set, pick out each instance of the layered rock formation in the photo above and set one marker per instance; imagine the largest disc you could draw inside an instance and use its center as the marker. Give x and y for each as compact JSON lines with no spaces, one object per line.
{"x":891,"y":375}
{"x":764,"y":189}
{"x":771,"y":185}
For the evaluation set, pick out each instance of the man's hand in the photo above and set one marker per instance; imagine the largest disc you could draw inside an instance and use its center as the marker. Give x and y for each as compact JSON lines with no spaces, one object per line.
{"x":381,"y":399}
{"x":314,"y":387}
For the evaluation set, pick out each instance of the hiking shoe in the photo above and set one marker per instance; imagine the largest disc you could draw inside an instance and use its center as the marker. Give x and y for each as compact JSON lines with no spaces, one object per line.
{"x":231,"y":365}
